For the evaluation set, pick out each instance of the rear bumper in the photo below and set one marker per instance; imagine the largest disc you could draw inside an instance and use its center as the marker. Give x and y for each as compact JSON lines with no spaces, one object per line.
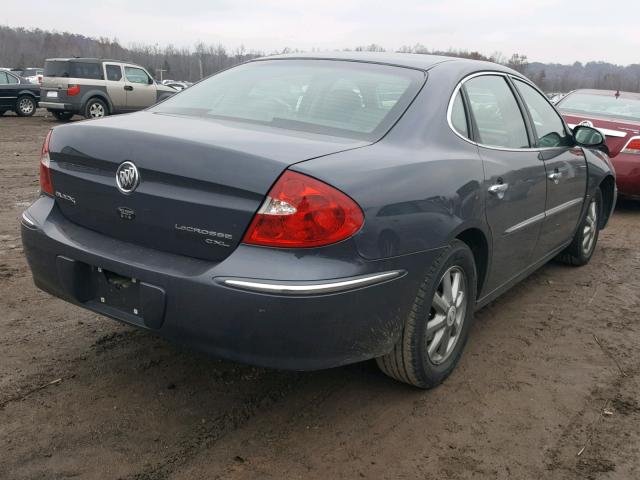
{"x":274,"y":308}
{"x":67,"y":107}
{"x":627,"y":167}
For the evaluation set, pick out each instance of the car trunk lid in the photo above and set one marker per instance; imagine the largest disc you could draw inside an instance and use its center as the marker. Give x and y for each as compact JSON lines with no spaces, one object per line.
{"x":201,"y":181}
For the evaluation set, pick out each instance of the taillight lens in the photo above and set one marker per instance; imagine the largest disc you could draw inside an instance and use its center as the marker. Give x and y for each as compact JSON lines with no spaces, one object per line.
{"x":633,"y":146}
{"x":301,"y":211}
{"x":73,"y":90}
{"x":46,"y":185}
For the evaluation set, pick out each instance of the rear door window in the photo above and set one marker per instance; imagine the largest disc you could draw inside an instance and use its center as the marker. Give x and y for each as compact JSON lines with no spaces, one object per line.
{"x":549,"y":128}
{"x":114,"y":72}
{"x":7,"y":79}
{"x":496,"y":112}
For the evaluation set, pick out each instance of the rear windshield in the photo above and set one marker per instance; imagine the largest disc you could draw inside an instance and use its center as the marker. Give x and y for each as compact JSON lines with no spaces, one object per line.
{"x":352,"y":99}
{"x":62,"y":68}
{"x":601,"y":105}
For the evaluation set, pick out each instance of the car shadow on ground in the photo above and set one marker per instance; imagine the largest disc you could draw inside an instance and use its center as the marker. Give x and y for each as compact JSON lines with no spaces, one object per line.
{"x":627,"y":205}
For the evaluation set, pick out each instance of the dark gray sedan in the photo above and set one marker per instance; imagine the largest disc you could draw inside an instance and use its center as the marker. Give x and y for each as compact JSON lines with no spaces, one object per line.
{"x":309,"y":211}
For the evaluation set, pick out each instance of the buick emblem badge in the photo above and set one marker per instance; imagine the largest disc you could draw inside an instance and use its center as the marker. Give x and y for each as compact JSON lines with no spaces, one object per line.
{"x":127,"y":177}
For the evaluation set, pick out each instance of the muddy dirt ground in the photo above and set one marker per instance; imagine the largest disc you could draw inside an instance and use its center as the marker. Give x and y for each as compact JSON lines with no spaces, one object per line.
{"x":552,"y":369}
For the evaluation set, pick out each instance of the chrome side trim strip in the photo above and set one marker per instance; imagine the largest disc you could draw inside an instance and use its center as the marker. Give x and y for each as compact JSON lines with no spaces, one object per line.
{"x":543,"y":215}
{"x":301,"y":288}
{"x":605,"y":131}
{"x":563,"y":206}
{"x":526,"y":223}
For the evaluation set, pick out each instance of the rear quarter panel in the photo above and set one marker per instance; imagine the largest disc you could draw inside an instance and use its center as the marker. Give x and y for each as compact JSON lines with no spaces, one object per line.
{"x":420,"y":186}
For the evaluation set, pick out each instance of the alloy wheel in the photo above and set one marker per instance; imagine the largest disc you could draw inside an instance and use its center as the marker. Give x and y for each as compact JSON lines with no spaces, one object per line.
{"x":446,"y":316}
{"x":96,"y":110}
{"x":26,"y":106}
{"x":590,"y":228}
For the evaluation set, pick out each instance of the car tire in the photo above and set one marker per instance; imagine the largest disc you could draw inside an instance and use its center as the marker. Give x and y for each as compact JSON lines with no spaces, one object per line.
{"x":415,"y":358}
{"x":95,"y":108}
{"x":62,"y":116}
{"x":26,"y":106}
{"x":581,"y":249}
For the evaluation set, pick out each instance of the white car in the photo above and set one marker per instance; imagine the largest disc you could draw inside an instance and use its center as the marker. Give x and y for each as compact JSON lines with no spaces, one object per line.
{"x":32,"y":74}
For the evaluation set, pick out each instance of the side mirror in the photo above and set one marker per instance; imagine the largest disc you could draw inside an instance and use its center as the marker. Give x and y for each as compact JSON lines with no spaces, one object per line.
{"x":151,"y":81}
{"x":590,"y":137}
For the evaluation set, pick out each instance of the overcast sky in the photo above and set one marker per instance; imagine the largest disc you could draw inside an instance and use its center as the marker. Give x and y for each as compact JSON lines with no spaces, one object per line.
{"x":545,"y":30}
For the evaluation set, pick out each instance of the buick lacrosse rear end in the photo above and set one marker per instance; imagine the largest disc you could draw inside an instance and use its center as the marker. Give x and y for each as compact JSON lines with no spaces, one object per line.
{"x":308,"y":212}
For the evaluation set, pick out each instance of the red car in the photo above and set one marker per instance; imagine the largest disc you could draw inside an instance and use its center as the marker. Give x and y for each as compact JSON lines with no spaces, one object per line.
{"x":617,"y":115}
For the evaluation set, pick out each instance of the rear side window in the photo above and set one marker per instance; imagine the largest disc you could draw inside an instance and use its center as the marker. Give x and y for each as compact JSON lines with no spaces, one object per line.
{"x":459,"y":116}
{"x":6,"y":78}
{"x":549,"y":128}
{"x":114,"y":73}
{"x":71,"y":69}
{"x":496,"y":112}
{"x":136,"y":75}
{"x":350,"y":99}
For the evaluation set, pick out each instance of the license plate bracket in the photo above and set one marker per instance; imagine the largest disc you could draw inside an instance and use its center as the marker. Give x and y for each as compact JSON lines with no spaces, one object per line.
{"x":117,"y":291}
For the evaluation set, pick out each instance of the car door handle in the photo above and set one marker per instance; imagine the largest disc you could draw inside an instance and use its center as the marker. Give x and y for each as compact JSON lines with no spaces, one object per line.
{"x":128,"y":88}
{"x":555,"y":176}
{"x":498,"y":189}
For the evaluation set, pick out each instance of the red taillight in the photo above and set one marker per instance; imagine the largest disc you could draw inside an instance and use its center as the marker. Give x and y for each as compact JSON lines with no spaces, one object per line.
{"x":73,"y":90}
{"x":301,"y":211}
{"x":46,"y":185}
{"x":633,"y":146}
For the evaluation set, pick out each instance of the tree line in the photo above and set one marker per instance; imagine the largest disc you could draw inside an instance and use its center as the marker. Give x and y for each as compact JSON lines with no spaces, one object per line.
{"x":21,"y":47}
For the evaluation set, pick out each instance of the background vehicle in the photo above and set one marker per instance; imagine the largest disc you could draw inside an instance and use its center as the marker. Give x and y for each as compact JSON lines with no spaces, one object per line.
{"x":178,"y":85}
{"x":617,"y":115}
{"x":97,"y":87}
{"x":246,"y":215}
{"x":34,"y":75}
{"x":17,"y":94}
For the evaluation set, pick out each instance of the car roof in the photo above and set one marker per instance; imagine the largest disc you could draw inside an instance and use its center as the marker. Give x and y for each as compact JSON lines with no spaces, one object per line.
{"x":87,"y":60}
{"x":408,"y":60}
{"x":608,"y":93}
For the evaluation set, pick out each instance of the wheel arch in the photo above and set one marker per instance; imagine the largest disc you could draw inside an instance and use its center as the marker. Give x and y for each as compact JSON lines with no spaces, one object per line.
{"x":22,"y":93}
{"x":97,"y":94}
{"x":478,"y":243}
{"x":608,"y":188}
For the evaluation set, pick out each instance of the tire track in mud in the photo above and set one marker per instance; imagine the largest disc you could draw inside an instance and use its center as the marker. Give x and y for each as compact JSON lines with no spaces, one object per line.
{"x":213,"y":430}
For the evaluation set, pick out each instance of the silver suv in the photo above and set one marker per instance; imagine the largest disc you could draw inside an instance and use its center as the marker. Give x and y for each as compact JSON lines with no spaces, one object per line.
{"x":96,"y":87}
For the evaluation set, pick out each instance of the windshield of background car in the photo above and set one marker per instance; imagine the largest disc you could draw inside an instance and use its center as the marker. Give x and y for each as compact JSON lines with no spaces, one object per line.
{"x":602,"y":105}
{"x":63,"y":68}
{"x":352,"y":99}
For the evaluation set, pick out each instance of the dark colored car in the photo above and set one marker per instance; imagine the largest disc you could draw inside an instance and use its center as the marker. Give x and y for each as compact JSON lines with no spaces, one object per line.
{"x":304,"y":212}
{"x":18,"y":94}
{"x":617,"y":115}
